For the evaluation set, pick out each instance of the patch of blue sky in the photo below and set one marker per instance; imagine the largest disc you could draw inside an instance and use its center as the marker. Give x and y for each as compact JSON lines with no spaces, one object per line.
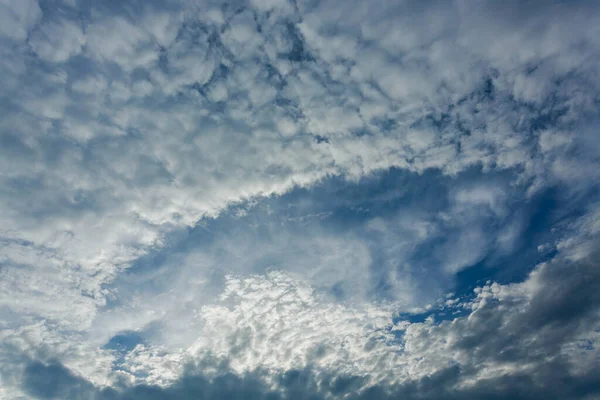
{"x":121,"y":345}
{"x":361,"y":209}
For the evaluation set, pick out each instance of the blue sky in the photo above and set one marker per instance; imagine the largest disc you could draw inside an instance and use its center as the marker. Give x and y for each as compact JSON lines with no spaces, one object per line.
{"x":289,"y":199}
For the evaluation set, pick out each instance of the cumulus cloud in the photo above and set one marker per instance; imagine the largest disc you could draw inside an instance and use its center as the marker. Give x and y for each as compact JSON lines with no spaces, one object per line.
{"x":277,"y":335}
{"x":57,"y":41}
{"x":18,"y":17}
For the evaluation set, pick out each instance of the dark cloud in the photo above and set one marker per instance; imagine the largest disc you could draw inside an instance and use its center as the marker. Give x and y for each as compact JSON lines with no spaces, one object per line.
{"x":566,"y":303}
{"x":54,"y":381}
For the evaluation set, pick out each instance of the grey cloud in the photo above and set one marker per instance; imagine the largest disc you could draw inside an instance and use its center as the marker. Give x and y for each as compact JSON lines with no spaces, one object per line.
{"x":565,"y":304}
{"x":55,"y":382}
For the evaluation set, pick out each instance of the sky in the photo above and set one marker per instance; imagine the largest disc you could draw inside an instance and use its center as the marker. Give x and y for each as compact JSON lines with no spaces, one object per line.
{"x":299,"y":199}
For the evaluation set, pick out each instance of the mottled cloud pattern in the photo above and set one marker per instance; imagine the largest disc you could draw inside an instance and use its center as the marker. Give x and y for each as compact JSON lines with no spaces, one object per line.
{"x":299,"y":199}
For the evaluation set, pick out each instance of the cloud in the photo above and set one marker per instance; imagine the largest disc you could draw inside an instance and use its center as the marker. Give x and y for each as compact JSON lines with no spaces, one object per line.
{"x":513,"y":343}
{"x":19,"y":17}
{"x":45,"y":41}
{"x":127,"y":127}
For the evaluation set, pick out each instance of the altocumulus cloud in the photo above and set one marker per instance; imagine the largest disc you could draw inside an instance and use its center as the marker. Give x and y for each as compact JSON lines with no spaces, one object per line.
{"x":290,"y":199}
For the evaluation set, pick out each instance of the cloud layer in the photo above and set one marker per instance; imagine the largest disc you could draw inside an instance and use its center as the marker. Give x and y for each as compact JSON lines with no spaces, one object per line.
{"x":299,"y":199}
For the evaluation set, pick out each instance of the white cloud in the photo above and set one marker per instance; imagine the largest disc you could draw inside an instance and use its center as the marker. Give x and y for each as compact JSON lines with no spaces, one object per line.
{"x":115,"y":39}
{"x":277,"y":323}
{"x":90,"y":85}
{"x":57,"y":41}
{"x":18,"y":17}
